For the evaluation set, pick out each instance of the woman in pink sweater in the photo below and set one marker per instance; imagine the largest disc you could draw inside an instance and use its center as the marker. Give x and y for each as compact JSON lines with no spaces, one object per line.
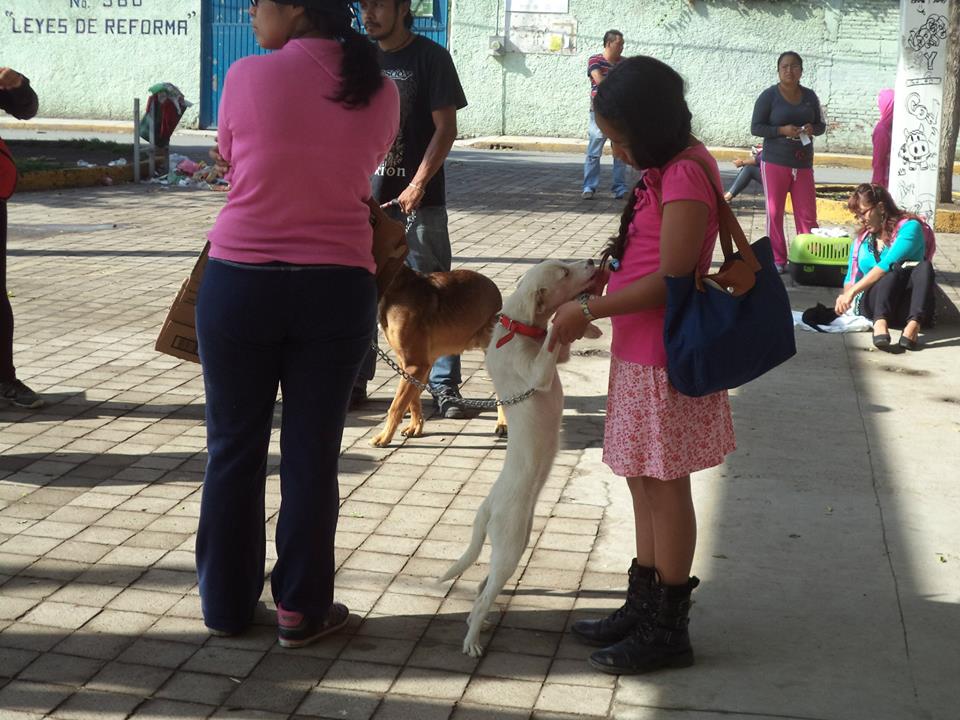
{"x":883,"y":138}
{"x":288,"y":300}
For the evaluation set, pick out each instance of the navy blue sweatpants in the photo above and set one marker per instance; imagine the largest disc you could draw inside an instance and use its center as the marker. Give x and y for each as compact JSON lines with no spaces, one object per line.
{"x":306,"y":331}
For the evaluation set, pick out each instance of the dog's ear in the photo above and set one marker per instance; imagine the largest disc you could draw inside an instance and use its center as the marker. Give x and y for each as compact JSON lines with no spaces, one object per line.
{"x":541,"y":300}
{"x":528,"y":300}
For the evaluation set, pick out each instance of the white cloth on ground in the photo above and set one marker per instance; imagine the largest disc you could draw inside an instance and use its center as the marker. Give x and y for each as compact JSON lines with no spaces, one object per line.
{"x":830,"y":232}
{"x":846,"y":323}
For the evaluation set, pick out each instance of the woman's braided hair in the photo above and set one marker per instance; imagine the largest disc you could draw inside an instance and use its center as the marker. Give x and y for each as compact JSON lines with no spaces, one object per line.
{"x":642,"y":98}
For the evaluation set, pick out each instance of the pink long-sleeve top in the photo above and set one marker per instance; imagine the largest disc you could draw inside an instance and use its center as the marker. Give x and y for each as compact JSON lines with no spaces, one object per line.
{"x":882,"y":139}
{"x":301,"y":162}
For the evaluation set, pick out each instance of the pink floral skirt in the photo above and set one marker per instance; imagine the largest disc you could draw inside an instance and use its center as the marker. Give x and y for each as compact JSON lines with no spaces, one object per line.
{"x":654,"y":431}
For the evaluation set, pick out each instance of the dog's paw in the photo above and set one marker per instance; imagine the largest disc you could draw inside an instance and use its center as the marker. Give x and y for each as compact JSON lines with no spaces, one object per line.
{"x":414,"y":429}
{"x":381,"y":440}
{"x":592,"y":331}
{"x":473,"y":649}
{"x":500,"y":430}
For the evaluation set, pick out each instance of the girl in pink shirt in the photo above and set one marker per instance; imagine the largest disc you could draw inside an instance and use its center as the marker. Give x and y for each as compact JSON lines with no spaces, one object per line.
{"x":288,"y":300}
{"x":654,"y":436}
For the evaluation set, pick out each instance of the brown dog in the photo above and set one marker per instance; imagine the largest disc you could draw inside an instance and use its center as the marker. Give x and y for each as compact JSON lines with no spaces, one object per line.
{"x":425,"y":317}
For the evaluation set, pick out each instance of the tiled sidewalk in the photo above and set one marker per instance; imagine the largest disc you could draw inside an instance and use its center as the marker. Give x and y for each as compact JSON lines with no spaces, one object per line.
{"x":99,"y":493}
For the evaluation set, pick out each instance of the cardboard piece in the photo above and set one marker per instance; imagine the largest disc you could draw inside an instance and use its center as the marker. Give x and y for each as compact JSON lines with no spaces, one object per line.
{"x":178,"y":336}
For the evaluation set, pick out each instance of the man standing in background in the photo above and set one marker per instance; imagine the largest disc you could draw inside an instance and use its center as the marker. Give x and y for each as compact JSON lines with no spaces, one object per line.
{"x":412,"y":173}
{"x":597,"y":68}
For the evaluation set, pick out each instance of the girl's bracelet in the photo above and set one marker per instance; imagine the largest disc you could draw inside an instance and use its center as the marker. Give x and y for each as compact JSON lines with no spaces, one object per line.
{"x":584,"y":299}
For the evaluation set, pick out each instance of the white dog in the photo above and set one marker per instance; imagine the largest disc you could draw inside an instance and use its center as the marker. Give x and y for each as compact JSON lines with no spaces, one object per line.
{"x":518,"y":360}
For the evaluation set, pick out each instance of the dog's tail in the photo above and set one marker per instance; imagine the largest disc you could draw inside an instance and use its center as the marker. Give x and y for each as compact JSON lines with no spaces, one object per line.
{"x":471,"y":554}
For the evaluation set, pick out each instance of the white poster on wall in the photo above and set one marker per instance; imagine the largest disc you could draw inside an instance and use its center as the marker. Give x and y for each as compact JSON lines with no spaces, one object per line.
{"x":918,"y":97}
{"x":541,"y":27}
{"x":542,"y":34}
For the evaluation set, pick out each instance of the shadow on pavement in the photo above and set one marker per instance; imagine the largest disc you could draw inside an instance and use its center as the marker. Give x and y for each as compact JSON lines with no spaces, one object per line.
{"x":177,"y":664}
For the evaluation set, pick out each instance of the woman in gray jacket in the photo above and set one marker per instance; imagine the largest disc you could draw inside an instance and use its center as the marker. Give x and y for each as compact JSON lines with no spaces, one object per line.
{"x":787,"y":116}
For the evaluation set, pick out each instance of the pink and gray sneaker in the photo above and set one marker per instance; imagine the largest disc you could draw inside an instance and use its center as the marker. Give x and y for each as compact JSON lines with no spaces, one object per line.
{"x":295,"y":630}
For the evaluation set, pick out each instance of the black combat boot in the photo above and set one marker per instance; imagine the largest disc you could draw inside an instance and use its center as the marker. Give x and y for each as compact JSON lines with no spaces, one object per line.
{"x":620,"y":623}
{"x":663,"y":643}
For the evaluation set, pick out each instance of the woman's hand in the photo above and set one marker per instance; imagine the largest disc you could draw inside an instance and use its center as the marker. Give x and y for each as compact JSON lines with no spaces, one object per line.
{"x":790,"y":131}
{"x":738,"y":162}
{"x":844,"y":302}
{"x":808,"y":129}
{"x":219,"y":163}
{"x":10,"y":79}
{"x":569,"y":324}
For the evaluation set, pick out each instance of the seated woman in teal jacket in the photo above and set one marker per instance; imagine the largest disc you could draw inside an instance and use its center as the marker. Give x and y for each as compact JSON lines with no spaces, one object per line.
{"x":890,"y":278}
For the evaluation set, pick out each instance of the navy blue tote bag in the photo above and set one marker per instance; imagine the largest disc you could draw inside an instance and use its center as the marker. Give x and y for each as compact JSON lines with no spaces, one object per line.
{"x":728,"y":328}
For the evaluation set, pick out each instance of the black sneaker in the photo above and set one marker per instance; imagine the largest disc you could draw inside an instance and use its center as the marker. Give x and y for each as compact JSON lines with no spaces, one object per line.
{"x":16,"y":393}
{"x":295,"y":630}
{"x":449,"y":408}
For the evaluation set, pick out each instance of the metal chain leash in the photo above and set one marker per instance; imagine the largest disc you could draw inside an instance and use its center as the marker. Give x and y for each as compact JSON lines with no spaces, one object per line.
{"x":447,"y":395}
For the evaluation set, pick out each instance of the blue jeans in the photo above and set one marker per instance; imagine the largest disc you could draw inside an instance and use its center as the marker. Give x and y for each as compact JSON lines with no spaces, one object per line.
{"x":260,"y":327}
{"x":429,"y":243}
{"x":747,"y":173}
{"x":591,"y":166}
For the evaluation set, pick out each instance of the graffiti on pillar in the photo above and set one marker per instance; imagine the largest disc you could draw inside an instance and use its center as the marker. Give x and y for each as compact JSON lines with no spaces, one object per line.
{"x":916,"y":151}
{"x":930,"y":117}
{"x":919,"y":97}
{"x":913,"y":201}
{"x":925,"y":41}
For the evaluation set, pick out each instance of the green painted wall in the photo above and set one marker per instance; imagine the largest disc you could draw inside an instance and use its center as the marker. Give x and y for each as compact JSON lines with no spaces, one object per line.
{"x":726,"y":51}
{"x":91,"y":58}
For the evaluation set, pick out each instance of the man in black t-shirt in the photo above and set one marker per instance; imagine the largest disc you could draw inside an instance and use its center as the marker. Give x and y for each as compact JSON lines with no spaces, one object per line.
{"x":412,"y":173}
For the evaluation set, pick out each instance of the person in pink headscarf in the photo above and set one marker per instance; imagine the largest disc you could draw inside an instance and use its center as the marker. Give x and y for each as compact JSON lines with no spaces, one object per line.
{"x":883,"y":138}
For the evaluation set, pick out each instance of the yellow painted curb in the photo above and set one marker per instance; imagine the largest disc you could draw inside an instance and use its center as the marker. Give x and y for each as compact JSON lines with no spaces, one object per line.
{"x":835,"y":211}
{"x":579,"y":146}
{"x":64,"y":178}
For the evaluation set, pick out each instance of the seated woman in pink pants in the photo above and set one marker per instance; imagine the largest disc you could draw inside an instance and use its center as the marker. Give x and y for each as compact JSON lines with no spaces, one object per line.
{"x":787,"y":116}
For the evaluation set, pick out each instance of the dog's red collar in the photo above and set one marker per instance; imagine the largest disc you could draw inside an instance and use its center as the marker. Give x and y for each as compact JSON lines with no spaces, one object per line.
{"x":513,"y":327}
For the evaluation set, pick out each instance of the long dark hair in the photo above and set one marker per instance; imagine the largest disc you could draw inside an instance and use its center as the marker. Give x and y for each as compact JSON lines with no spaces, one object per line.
{"x":642,"y":98}
{"x":874,"y":194}
{"x":360,"y":73}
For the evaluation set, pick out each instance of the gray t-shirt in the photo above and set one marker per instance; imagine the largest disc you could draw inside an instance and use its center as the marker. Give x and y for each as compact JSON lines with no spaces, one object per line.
{"x":771,"y":111}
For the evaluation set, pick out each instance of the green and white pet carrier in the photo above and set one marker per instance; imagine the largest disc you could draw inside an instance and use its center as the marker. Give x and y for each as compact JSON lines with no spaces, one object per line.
{"x":819,"y":260}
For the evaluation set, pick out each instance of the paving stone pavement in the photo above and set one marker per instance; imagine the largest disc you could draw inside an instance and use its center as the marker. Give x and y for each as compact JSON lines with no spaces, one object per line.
{"x":99,"y":497}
